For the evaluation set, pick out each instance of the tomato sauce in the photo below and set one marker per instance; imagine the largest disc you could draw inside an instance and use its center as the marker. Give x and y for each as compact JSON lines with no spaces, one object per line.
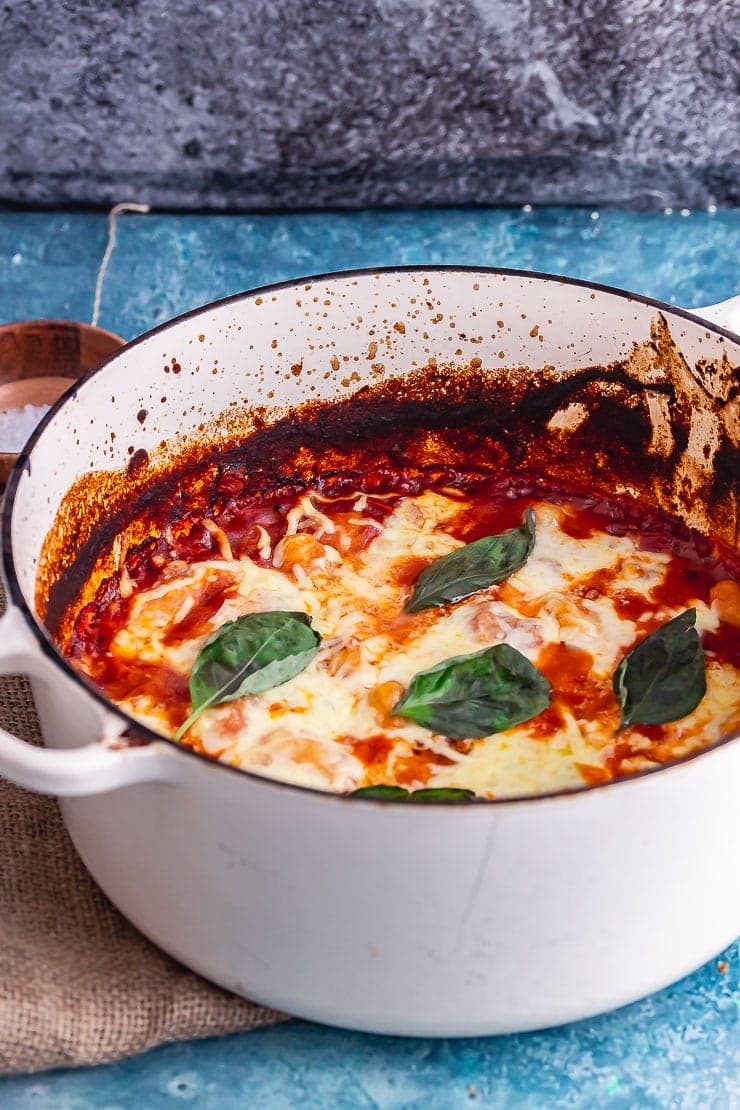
{"x":372,"y":752}
{"x":410,"y":770}
{"x":685,"y":582}
{"x":254,"y":524}
{"x":165,"y":687}
{"x":724,"y":644}
{"x":207,"y":600}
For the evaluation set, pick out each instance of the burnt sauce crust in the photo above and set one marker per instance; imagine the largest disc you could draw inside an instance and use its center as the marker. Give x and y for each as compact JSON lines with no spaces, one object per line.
{"x":623,"y":428}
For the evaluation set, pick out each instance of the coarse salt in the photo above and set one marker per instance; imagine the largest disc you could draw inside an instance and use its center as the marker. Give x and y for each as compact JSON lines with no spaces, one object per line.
{"x":16,"y":426}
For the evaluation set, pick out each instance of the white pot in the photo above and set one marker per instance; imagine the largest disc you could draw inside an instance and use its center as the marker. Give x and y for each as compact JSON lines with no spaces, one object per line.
{"x":426,"y":920}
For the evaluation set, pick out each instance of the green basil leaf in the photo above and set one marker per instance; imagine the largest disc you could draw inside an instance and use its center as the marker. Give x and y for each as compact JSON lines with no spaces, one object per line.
{"x":383,"y":792}
{"x":442,"y":794}
{"x":429,"y":794}
{"x":474,"y":567}
{"x":474,"y":695}
{"x":663,"y":678}
{"x":249,"y":655}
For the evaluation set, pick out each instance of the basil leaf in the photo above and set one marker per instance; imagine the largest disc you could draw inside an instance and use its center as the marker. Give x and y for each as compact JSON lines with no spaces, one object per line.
{"x":442,"y":794}
{"x":474,"y":567}
{"x":474,"y":695}
{"x":249,"y":655}
{"x":429,"y":794}
{"x":385,"y":793}
{"x":662,"y":679}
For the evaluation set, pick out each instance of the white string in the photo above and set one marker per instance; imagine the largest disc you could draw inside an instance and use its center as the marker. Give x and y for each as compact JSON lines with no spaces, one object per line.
{"x":116,"y":210}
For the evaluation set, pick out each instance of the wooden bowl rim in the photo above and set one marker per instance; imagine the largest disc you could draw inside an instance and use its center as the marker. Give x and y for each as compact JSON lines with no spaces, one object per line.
{"x":65,"y":325}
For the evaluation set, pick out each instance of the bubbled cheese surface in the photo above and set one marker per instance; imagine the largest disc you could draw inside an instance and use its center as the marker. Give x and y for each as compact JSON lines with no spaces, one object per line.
{"x":332,"y":726}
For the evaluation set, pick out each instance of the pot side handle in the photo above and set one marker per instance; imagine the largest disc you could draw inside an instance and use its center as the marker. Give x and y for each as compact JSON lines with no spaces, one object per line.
{"x":726,"y":313}
{"x":69,"y":772}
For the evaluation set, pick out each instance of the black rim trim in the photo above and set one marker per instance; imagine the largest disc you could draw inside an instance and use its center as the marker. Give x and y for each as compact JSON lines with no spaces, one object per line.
{"x":15,"y":594}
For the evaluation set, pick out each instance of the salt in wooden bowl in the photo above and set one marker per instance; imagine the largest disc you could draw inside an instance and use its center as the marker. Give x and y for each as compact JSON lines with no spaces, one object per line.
{"x":41,"y":359}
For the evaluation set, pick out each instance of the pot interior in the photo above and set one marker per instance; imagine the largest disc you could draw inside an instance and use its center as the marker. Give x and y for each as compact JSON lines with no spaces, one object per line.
{"x":212,"y":373}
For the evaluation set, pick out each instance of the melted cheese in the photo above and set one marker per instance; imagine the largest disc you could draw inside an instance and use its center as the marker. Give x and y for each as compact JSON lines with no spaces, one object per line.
{"x":332,"y":726}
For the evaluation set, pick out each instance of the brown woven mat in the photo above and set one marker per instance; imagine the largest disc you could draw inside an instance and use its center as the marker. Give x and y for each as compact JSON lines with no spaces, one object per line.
{"x":78,"y":984}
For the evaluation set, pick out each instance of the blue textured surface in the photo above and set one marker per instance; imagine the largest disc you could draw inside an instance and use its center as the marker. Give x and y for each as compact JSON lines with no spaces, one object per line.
{"x":163,"y":265}
{"x":679,"y":1049}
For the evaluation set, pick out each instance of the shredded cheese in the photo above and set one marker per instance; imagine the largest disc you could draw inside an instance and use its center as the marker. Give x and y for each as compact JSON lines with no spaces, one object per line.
{"x":332,"y":726}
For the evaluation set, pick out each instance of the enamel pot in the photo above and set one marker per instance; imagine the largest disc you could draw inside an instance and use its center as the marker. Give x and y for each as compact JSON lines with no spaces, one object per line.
{"x":437,"y":920}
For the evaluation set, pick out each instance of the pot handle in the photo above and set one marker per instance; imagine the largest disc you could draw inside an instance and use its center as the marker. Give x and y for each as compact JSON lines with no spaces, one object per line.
{"x":726,"y":313}
{"x":69,"y":772}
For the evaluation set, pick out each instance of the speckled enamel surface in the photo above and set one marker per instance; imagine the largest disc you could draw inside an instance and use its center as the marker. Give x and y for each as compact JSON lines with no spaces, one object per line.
{"x":679,"y":1048}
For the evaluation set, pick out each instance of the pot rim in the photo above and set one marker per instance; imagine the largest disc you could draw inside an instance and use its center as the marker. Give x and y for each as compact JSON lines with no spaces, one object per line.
{"x":50,"y":649}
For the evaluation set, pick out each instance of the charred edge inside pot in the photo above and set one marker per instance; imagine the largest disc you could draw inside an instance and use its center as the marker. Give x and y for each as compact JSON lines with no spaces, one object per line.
{"x":650,"y":427}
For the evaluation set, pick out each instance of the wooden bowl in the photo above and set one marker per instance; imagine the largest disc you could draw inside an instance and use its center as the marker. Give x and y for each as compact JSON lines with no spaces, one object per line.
{"x":39,"y":361}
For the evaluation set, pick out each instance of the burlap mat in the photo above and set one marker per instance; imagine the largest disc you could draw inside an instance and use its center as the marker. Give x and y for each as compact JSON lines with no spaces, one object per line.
{"x":78,"y":984}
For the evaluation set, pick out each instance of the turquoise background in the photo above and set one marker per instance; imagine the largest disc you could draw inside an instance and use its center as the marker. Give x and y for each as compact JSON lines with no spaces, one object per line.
{"x":679,"y":1049}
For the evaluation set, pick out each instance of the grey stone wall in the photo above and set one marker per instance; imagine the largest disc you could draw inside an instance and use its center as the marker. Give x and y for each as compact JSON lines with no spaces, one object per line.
{"x":312,"y":103}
